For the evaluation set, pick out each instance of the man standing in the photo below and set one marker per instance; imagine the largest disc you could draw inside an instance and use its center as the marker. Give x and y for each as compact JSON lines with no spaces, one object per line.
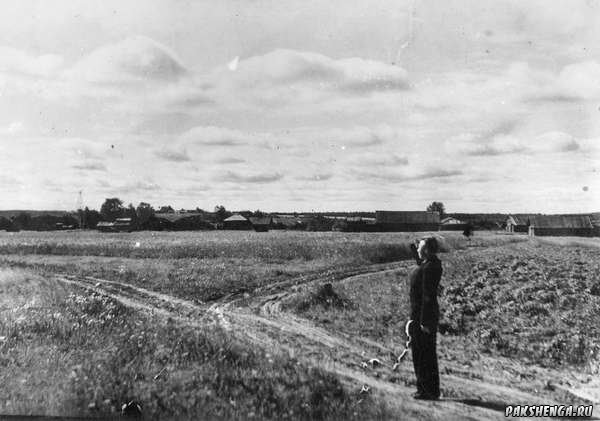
{"x":424,"y":282}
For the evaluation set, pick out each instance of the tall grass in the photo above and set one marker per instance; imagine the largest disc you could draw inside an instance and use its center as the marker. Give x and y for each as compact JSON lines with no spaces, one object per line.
{"x":209,"y":265}
{"x":371,"y":247}
{"x":70,"y":353}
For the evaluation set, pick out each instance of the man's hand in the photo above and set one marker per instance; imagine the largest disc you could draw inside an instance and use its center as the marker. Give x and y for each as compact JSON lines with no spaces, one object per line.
{"x":425,"y":329}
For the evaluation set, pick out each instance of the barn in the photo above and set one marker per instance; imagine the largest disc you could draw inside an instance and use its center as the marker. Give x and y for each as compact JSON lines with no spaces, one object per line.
{"x":518,"y":223}
{"x":182,"y":221}
{"x":561,"y":225}
{"x":452,"y":224}
{"x":407,"y":220}
{"x":261,"y":224}
{"x":119,"y":225}
{"x":595,"y":218}
{"x":237,"y":222}
{"x":287,"y":222}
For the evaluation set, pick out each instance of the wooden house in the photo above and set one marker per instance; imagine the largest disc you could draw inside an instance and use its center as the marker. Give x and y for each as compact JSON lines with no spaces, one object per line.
{"x":237,"y":222}
{"x":561,"y":225}
{"x":261,"y":224}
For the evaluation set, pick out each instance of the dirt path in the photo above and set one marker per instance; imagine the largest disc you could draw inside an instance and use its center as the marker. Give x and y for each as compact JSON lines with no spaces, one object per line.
{"x":260,"y":320}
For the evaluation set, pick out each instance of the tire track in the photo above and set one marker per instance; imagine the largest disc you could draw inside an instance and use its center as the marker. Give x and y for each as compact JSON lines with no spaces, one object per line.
{"x":263,"y":323}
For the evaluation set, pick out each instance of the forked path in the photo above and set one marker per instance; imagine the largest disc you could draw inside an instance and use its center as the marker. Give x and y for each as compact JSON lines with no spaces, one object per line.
{"x":261,"y":321}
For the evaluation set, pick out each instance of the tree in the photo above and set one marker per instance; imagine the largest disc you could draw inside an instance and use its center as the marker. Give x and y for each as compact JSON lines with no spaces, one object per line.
{"x":112,"y":208}
{"x":22,"y":220}
{"x":166,"y":209}
{"x":221,"y":213}
{"x":437,"y":206}
{"x":130,"y":212}
{"x":144,"y":212}
{"x":91,"y":217}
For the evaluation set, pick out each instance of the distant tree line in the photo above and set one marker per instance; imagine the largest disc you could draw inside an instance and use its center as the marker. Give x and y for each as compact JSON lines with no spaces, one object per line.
{"x":25,"y":221}
{"x":145,"y":217}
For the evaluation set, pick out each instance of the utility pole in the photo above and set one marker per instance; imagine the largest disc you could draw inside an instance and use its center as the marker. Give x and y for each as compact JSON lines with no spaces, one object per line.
{"x":80,"y":208}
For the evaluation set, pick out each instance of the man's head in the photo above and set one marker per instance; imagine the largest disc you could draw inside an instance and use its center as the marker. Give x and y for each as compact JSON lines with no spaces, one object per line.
{"x":428,"y":247}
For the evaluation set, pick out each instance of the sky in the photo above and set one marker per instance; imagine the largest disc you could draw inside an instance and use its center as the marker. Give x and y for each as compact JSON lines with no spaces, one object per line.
{"x":486,"y":106}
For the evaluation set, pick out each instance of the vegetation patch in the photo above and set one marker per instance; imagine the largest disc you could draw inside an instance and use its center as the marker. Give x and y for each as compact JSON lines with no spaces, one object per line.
{"x":322,"y":295}
{"x":67,"y":352}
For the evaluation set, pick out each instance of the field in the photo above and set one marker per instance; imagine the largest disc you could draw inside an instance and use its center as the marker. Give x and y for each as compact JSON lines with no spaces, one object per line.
{"x":239,"y":324}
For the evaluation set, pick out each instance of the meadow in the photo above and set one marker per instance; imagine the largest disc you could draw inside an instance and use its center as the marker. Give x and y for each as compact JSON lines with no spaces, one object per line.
{"x":73,"y":351}
{"x":68,"y":352}
{"x":208,"y":265}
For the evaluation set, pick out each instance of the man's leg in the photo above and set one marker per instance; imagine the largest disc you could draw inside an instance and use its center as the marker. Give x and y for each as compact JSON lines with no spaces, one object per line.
{"x":429,"y":366}
{"x":417,"y":357}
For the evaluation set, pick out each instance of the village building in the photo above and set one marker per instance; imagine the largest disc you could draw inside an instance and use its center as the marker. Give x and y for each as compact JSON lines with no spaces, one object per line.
{"x":261,"y":224}
{"x":182,"y":221}
{"x":354,"y":224}
{"x":561,"y":225}
{"x":237,"y":222}
{"x":119,"y":225}
{"x":518,"y":223}
{"x":452,"y":224}
{"x":595,"y":218}
{"x":290,"y":222}
{"x":407,"y":220}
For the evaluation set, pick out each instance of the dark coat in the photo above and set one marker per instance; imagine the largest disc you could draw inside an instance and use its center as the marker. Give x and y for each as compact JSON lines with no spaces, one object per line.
{"x":424,"y":282}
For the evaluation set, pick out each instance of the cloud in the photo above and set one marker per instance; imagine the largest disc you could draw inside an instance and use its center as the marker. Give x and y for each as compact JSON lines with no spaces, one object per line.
{"x":316,"y":177}
{"x":229,"y":160}
{"x":220,"y":136}
{"x":12,"y":129}
{"x":133,"y":59}
{"x":143,"y":185}
{"x":342,"y":137}
{"x":173,"y":154}
{"x":555,"y":142}
{"x":395,"y":176}
{"x":580,"y":80}
{"x":80,"y":148}
{"x":20,"y":62}
{"x":499,"y":145}
{"x":8,"y":180}
{"x":380,"y":160}
{"x":284,"y":67}
{"x":577,"y":81}
{"x":90,"y":166}
{"x":471,"y":145}
{"x":249,"y":178}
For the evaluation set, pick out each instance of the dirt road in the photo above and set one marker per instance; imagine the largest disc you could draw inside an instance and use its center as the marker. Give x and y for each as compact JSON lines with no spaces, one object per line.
{"x":259,"y":320}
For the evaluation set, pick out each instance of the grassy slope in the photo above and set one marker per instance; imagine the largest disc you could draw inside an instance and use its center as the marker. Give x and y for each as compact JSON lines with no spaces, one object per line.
{"x":536,"y":302}
{"x":72,"y":353}
{"x":98,"y":365}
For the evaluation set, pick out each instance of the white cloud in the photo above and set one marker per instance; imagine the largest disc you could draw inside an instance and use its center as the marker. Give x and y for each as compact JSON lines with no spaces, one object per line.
{"x":498,"y":145}
{"x":237,"y":177}
{"x":173,"y":154}
{"x":555,"y":142}
{"x":20,"y":62}
{"x":372,"y":159}
{"x":133,"y":59}
{"x":90,"y":166}
{"x":289,"y":67}
{"x":414,"y":174}
{"x":13,"y":128}
{"x":221,"y":136}
{"x":580,"y":80}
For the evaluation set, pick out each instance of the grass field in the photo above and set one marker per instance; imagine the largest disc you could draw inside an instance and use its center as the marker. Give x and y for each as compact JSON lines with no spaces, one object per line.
{"x":211,"y":264}
{"x":527,"y":305}
{"x":68,"y":352}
